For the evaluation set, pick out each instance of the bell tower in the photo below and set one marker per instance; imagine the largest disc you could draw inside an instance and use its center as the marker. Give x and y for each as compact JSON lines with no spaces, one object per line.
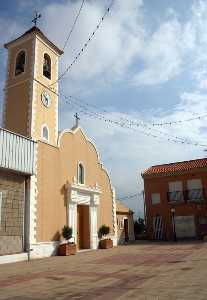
{"x":31,"y":89}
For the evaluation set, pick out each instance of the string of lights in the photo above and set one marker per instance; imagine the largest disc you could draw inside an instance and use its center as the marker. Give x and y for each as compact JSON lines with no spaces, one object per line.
{"x":73,"y":26}
{"x":68,"y":68}
{"x":199,"y":117}
{"x":125,"y":121}
{"x":130,"y":196}
{"x":132,"y":122}
{"x":141,"y":123}
{"x":81,"y":108}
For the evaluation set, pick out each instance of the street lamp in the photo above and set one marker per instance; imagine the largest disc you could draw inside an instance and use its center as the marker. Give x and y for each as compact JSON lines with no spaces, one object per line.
{"x":173,"y":223}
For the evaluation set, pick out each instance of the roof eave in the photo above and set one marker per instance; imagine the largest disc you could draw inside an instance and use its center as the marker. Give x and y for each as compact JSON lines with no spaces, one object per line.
{"x":152,"y":175}
{"x":36,"y":31}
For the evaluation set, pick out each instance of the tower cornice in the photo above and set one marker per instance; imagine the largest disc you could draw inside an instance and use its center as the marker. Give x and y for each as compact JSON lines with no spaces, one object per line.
{"x":35,"y":31}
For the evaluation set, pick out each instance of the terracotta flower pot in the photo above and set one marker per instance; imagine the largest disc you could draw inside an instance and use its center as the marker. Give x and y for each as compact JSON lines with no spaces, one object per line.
{"x":105,"y":244}
{"x":67,"y":249}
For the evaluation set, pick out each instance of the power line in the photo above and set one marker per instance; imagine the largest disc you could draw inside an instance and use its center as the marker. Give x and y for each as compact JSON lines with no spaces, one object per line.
{"x":132,"y":122}
{"x":84,"y":110}
{"x":73,"y":26}
{"x":199,"y":117}
{"x":89,"y":113}
{"x":126,"y":123}
{"x":130,"y":196}
{"x":85,"y":45}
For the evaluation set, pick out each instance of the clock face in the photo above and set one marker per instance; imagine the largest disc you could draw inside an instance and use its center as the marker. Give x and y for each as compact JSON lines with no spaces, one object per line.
{"x":46,"y":99}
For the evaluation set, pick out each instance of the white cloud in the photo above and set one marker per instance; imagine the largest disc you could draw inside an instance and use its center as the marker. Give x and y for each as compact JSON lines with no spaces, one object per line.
{"x":164,"y":52}
{"x":121,"y":43}
{"x":117,"y":42}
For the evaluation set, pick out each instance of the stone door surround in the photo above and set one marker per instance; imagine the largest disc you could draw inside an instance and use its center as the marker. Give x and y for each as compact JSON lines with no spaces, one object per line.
{"x":79,"y":194}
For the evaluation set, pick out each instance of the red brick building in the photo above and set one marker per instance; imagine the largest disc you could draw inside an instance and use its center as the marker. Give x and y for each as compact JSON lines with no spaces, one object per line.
{"x":176,"y":200}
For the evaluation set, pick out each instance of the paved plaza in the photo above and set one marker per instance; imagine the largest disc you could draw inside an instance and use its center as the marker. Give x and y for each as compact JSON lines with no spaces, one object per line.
{"x":140,"y":271}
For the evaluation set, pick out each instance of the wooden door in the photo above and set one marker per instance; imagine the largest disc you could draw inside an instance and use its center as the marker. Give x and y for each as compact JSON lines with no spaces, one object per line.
{"x":126,"y":230}
{"x":79,"y":226}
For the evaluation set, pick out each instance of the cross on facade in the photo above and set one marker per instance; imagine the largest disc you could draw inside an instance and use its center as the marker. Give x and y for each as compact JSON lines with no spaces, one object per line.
{"x":37,"y":16}
{"x":77,"y":119}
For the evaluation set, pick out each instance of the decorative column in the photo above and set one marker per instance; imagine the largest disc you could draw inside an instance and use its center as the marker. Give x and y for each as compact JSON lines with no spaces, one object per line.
{"x":72,"y":212}
{"x":93,"y":221}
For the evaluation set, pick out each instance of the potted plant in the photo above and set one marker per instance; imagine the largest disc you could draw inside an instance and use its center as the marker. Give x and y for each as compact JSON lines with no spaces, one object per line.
{"x":67,"y":247}
{"x":105,"y":242}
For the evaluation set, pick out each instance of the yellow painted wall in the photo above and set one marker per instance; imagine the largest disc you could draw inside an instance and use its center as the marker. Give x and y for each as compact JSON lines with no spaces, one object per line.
{"x":23,"y":92}
{"x":58,"y":166}
{"x":120,"y":231}
{"x":43,"y":114}
{"x":17,"y":109}
{"x":17,"y":90}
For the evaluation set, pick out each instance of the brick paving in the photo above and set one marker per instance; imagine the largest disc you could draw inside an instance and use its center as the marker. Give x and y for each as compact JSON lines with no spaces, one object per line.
{"x":145,"y":271}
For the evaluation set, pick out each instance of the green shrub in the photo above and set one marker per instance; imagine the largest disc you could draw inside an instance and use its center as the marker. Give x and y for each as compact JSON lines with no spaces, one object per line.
{"x":67,"y":232}
{"x":104,"y":230}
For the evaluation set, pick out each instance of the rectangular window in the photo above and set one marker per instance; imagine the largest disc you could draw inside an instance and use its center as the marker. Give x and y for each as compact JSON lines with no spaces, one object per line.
{"x":175,"y":186}
{"x":195,"y":190}
{"x":202,"y":220}
{"x":155,"y":198}
{"x":194,"y":184}
{"x":175,"y":193}
{"x":121,"y":224}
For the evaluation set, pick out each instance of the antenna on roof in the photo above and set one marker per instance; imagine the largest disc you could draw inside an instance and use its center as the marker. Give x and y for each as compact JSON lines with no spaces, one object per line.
{"x":37,"y":16}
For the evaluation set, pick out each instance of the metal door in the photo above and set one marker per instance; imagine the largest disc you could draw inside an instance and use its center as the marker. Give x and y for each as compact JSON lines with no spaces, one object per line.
{"x":158,"y":228}
{"x":185,"y":226}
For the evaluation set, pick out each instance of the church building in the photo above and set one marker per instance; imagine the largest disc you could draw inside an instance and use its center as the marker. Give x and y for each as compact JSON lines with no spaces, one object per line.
{"x":65,"y":183}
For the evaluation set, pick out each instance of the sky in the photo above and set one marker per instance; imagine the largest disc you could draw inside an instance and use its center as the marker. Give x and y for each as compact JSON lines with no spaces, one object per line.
{"x":146,"y":64}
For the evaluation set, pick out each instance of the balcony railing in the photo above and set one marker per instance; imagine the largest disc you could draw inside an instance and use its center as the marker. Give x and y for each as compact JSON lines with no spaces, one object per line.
{"x":17,"y":152}
{"x":175,"y":196}
{"x":193,"y":195}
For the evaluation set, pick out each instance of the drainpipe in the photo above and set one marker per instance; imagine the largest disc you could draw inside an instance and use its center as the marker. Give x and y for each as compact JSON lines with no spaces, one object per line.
{"x":173,"y":223}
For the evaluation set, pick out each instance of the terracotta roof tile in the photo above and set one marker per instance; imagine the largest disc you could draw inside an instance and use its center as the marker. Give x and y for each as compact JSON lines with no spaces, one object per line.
{"x":177,"y":167}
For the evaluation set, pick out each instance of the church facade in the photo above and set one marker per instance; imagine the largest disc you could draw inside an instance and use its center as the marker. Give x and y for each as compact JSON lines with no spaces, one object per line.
{"x":69,"y":185}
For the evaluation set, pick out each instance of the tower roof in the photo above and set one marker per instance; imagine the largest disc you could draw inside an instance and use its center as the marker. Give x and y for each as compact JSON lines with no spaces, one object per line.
{"x":36,"y":31}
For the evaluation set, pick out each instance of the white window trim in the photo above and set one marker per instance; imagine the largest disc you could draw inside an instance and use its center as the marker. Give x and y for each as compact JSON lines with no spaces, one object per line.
{"x":121,"y":224}
{"x":122,"y":221}
{"x":15,"y":60}
{"x":45,"y":125}
{"x":84,"y":174}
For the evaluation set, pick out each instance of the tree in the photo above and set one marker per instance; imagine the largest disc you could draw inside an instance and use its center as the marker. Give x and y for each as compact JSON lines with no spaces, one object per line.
{"x":139,"y":226}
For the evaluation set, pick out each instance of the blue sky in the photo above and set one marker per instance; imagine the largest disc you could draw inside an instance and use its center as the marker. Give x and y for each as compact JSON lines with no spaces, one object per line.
{"x":146,"y":63}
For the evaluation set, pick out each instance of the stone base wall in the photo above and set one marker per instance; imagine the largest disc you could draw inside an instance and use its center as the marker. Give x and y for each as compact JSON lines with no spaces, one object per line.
{"x":10,"y":244}
{"x":11,"y":213}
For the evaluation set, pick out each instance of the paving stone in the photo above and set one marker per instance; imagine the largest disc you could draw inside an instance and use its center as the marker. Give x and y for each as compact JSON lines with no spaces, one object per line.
{"x":151,"y":271}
